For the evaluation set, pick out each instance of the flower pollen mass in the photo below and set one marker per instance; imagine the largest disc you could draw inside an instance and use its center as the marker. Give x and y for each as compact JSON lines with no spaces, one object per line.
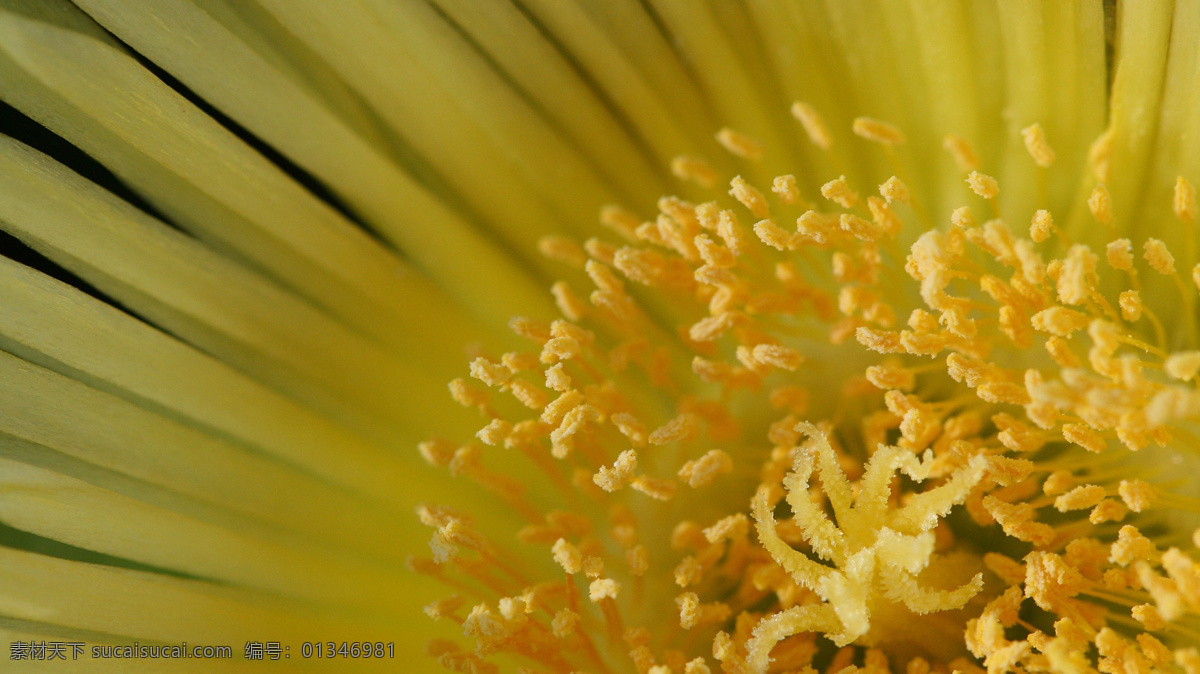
{"x":956,"y":413}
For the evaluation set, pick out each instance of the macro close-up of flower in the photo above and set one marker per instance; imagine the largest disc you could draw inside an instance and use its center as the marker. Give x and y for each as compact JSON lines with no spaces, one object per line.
{"x":608,"y":336}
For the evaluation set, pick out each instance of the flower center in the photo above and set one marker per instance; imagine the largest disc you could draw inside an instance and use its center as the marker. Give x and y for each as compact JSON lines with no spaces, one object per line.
{"x":673,"y":404}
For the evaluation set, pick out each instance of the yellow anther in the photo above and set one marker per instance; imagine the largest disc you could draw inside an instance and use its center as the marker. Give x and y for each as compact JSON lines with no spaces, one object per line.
{"x":638,"y":560}
{"x":730,"y":231}
{"x":520,"y":362}
{"x":682,"y":427}
{"x":1041,"y":227}
{"x":773,"y":235}
{"x":839,"y":192}
{"x":437,"y":516}
{"x":777,"y":356}
{"x":878,"y":131}
{"x":1149,"y":617}
{"x":1185,"y":200}
{"x":1137,"y":494}
{"x":1036,"y":145}
{"x":1131,"y":305}
{"x":569,"y":304}
{"x":1132,"y":546}
{"x":593,"y":567}
{"x":961,"y":217}
{"x":1079,"y":498}
{"x":630,"y":427}
{"x":1120,"y":254}
{"x":602,"y":251}
{"x":1074,"y":284}
{"x":1154,"y":649}
{"x":655,"y":488}
{"x":730,"y":528}
{"x":689,"y":609}
{"x":1057,"y":483}
{"x":1100,"y":204}
{"x":881,"y":341}
{"x":890,"y":377}
{"x":740,"y":144}
{"x":437,"y":453}
{"x":564,"y":622}
{"x":622,"y":471}
{"x":859,"y":228}
{"x":1100,"y":156}
{"x":563,"y":250}
{"x":813,"y":125}
{"x":960,"y":149}
{"x":701,"y":472}
{"x":714,"y":254}
{"x":1060,"y":350}
{"x":883,"y":216}
{"x":1059,"y":321}
{"x":711,"y":328}
{"x":557,"y":378}
{"x":567,"y":556}
{"x":1050,"y":580}
{"x":529,"y":395}
{"x":451,"y":536}
{"x":495,"y":433}
{"x":1084,"y":437}
{"x":815,"y":226}
{"x":1160,"y":259}
{"x":554,"y":411}
{"x":749,"y":196}
{"x":444,"y":608}
{"x":575,"y":422}
{"x":1107,"y":510}
{"x":893,"y":189}
{"x":785,"y":188}
{"x":696,"y":170}
{"x":689,"y":571}
{"x":620,"y":221}
{"x":603,"y":588}
{"x":1183,"y":365}
{"x":467,"y":395}
{"x":983,"y":185}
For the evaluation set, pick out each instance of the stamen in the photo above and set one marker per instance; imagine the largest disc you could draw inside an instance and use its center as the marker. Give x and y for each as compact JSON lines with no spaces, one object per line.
{"x":877,"y":131}
{"x":740,"y":144}
{"x":1160,"y":259}
{"x":749,"y":197}
{"x":983,"y":185}
{"x":1042,"y":226}
{"x":839,"y":191}
{"x":1036,"y":145}
{"x":785,"y":188}
{"x":964,"y":155}
{"x":1100,"y":204}
{"x":614,"y":422}
{"x":813,"y":125}
{"x":893,"y":189}
{"x":1185,"y":200}
{"x":695,"y":170}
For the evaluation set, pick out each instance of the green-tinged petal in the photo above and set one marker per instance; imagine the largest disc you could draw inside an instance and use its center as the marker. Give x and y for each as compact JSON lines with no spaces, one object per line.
{"x":43,"y":321}
{"x":208,"y":181}
{"x":206,"y":299}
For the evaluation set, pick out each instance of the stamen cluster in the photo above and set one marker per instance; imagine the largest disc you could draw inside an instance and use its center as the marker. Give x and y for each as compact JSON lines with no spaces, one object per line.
{"x":995,"y":372}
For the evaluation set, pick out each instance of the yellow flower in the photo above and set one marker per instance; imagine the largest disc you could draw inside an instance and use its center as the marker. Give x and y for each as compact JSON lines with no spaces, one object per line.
{"x":945,"y":309}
